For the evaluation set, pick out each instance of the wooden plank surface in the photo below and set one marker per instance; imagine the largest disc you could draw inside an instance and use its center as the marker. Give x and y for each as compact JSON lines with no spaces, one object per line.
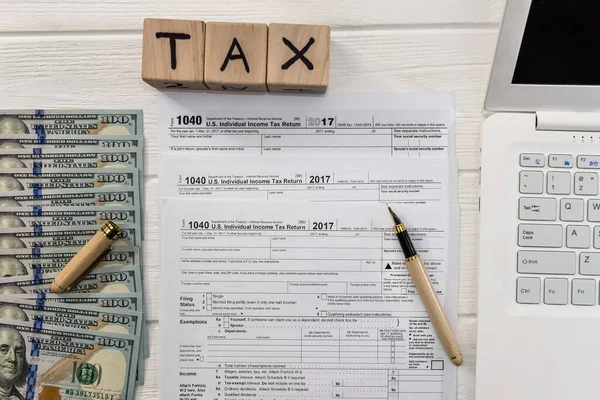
{"x":83,"y":53}
{"x":126,"y":15}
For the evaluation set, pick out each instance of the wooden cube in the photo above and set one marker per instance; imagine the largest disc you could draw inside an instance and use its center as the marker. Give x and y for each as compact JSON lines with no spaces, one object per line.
{"x":298,"y":58}
{"x":236,"y":56}
{"x":173,"y":54}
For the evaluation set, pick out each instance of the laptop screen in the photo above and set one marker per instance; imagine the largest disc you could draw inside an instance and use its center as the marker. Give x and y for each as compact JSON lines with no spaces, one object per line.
{"x":560,"y":45}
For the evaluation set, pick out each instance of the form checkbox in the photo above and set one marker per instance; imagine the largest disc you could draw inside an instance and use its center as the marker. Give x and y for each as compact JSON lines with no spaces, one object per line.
{"x":323,"y":313}
{"x":323,"y":296}
{"x":403,"y":291}
{"x":437,"y":365}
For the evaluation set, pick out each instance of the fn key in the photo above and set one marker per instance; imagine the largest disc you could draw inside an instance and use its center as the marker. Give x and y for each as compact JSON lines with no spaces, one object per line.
{"x":528,"y":290}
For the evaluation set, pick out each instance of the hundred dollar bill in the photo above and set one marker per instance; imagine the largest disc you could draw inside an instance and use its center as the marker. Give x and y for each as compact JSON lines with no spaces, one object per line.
{"x":106,"y":280}
{"x":71,"y":158}
{"x":32,"y":180}
{"x":87,"y":142}
{"x":77,"y":316}
{"x":125,"y":301}
{"x":40,"y":236}
{"x":28,"y":262}
{"x":56,"y":315}
{"x":119,"y":301}
{"x":71,"y":122}
{"x":50,"y":363}
{"x":113,"y":197}
{"x":36,"y":216}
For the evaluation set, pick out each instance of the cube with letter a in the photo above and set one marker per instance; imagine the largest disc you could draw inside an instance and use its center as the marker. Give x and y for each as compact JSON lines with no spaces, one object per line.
{"x":173,"y":54}
{"x":298,"y":58}
{"x":236,"y":56}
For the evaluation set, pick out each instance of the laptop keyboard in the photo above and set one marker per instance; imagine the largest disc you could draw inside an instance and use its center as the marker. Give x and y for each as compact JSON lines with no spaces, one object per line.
{"x":559,"y":230}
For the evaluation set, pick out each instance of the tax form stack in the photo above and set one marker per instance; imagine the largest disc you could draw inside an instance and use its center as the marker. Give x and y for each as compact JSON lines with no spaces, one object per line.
{"x":63,"y":174}
{"x":281,"y":275}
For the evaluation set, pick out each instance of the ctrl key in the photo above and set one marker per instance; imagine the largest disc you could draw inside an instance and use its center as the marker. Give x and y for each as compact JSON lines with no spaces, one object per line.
{"x":528,"y":290}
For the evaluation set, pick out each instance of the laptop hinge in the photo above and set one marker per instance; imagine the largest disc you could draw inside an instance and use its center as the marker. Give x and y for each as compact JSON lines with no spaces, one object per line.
{"x":582,"y":121}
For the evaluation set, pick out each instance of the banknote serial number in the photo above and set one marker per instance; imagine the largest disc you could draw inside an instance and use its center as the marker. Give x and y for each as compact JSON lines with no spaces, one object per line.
{"x":89,"y":395}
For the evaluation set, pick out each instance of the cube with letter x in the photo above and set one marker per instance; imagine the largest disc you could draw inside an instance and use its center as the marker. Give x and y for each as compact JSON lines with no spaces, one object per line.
{"x":298,"y":58}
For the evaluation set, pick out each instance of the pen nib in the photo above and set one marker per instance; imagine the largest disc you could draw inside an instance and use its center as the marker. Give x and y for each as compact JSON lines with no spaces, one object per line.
{"x":396,"y":218}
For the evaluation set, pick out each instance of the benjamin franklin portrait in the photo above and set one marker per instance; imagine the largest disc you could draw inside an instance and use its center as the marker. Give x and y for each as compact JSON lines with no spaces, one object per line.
{"x":12,"y":311}
{"x":11,"y":289}
{"x":10,"y":266}
{"x":13,"y":364}
{"x":11,"y":126}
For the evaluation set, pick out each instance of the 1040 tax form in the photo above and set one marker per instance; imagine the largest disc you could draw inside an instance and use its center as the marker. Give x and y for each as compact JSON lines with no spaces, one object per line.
{"x":281,"y":278}
{"x":300,"y":300}
{"x":427,"y":180}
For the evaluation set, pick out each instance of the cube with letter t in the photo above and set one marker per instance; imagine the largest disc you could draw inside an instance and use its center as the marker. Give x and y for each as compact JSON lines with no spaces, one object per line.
{"x":173,"y":54}
{"x":236,"y":56}
{"x":298,"y":58}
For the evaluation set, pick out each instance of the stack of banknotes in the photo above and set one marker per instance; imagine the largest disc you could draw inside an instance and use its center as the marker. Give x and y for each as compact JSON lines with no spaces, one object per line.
{"x":63,"y":174}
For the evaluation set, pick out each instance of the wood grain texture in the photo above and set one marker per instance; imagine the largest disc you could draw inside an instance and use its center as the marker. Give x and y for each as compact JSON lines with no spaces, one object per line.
{"x":110,"y":15}
{"x":173,"y":53}
{"x":298,"y":58}
{"x":78,"y":53}
{"x":236,"y":56}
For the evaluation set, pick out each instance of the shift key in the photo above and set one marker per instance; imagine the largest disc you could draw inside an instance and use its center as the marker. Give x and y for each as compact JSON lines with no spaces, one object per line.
{"x":531,"y":235}
{"x":546,"y":262}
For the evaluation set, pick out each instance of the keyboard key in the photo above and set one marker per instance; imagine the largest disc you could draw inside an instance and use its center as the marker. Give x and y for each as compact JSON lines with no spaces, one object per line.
{"x":546,"y":262}
{"x":586,"y":183}
{"x":556,"y":291}
{"x":537,"y":209}
{"x":560,"y":161}
{"x":528,"y":290}
{"x":578,"y":236}
{"x":559,"y":183}
{"x":589,"y":263}
{"x":594,"y":210}
{"x":540,"y":235}
{"x":597,"y":237}
{"x":583,"y":292}
{"x":590,"y":162}
{"x":571,"y":210}
{"x":532,"y":160}
{"x":531,"y":182}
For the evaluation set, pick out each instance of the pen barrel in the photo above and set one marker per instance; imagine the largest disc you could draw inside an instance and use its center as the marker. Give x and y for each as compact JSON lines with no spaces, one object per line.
{"x":434,"y":307}
{"x":408,"y":249}
{"x":86,"y":258}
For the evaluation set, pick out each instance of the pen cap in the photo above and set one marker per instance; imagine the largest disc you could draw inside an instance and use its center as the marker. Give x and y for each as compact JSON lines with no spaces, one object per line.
{"x":111,"y":230}
{"x":86,"y":258}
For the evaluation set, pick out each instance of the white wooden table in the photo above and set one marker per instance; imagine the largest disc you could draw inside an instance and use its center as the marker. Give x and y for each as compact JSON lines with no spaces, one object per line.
{"x":88,"y":53}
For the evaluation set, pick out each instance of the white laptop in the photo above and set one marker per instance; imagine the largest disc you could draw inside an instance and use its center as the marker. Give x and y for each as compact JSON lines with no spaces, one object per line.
{"x":538,"y":328}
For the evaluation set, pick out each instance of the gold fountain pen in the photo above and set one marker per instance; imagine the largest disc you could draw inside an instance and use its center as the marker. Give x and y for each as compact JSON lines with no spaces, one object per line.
{"x":430,"y":300}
